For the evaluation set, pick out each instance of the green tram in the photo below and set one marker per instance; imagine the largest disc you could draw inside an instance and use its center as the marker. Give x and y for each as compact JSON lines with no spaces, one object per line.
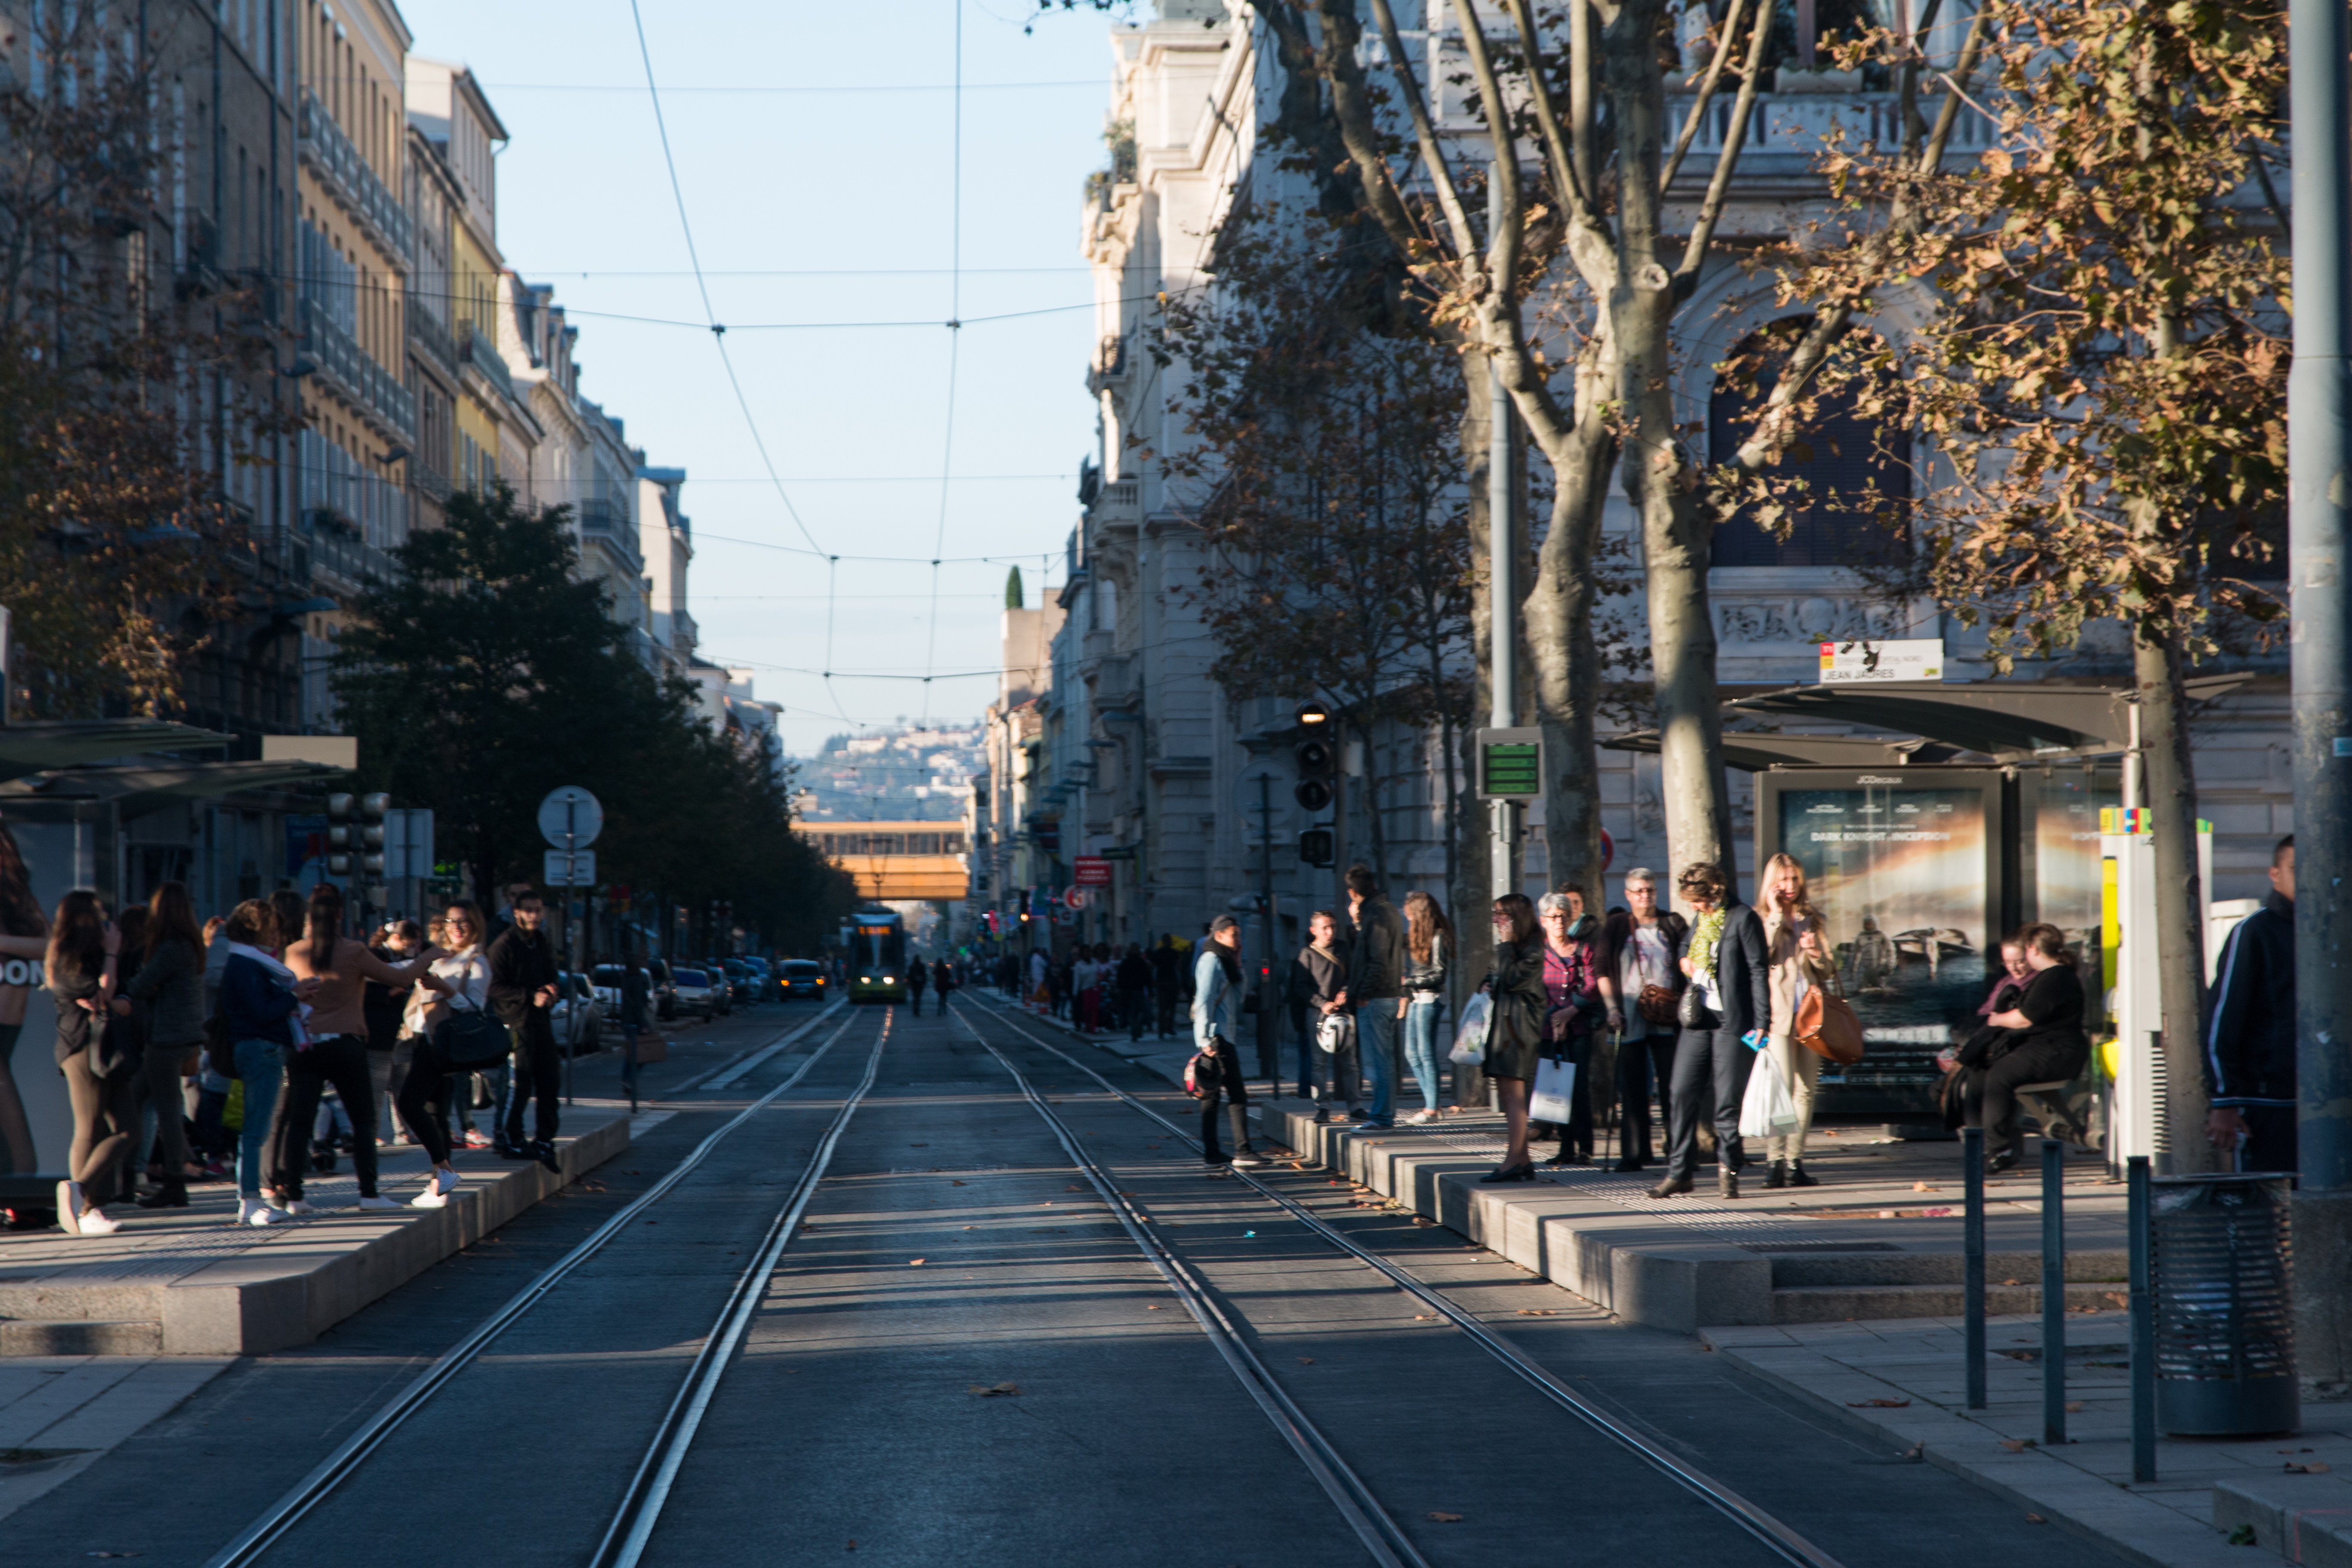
{"x":877,"y":956}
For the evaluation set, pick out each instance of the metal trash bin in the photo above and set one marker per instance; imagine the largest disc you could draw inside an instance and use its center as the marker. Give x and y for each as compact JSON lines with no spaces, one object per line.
{"x":2224,"y":1305}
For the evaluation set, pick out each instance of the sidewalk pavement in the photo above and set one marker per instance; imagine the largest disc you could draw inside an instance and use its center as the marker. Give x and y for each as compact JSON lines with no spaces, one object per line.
{"x":1906,"y":1381}
{"x":61,"y":1415}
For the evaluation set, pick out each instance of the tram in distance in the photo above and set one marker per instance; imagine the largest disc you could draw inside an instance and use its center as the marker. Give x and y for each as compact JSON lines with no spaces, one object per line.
{"x":877,"y":956}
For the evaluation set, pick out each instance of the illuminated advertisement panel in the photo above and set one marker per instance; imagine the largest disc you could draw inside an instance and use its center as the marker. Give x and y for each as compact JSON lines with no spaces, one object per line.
{"x":1903,"y":867}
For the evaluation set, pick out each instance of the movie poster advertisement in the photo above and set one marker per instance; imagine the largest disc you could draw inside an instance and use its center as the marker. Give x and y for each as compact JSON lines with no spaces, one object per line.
{"x":2062,"y":869}
{"x":1897,"y":872}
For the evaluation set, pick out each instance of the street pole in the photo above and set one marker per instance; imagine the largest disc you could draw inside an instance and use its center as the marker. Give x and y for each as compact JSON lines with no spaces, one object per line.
{"x":1268,"y":1062}
{"x":2319,"y":446}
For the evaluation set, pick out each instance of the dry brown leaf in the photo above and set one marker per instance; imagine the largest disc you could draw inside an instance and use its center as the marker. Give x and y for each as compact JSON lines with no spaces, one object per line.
{"x":1921,"y":1187}
{"x":2009,"y":1282}
{"x":2014,"y":1445}
{"x":1155,"y":1309}
{"x":2316,"y":1468}
{"x":955,"y":1183}
{"x":993,"y":1391}
{"x":1444,"y":1518}
{"x":1879,"y":1404}
{"x":914,"y":1263}
{"x":2074,"y":1407}
{"x":2035,"y":1519}
{"x":1307,"y":1361}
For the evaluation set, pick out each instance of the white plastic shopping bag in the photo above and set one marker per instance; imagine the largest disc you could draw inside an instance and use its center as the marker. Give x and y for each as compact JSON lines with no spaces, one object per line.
{"x":1555,"y":1082}
{"x":1470,"y":1040}
{"x":1766,"y":1111}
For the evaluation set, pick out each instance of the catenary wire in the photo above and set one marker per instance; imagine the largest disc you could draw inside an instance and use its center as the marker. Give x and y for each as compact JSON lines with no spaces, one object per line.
{"x":259,"y":1537}
{"x":955,"y":341}
{"x":1774,"y":1534}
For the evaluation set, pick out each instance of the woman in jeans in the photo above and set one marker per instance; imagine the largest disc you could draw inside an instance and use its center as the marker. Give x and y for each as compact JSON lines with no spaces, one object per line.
{"x":261,"y":1001}
{"x":80,"y":971}
{"x":1428,"y":944}
{"x":463,"y":974}
{"x":337,"y":1052}
{"x":170,"y":983}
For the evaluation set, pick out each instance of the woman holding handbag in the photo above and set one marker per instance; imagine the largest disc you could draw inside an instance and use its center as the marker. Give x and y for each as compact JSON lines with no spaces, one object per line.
{"x":1641,"y":985}
{"x":1572,"y":1001}
{"x":1515,"y":1034}
{"x":1799,"y":960}
{"x":439,"y":1066}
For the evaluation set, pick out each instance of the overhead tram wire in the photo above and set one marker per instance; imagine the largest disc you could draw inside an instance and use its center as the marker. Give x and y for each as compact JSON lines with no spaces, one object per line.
{"x":955,"y":339}
{"x":718,"y":338}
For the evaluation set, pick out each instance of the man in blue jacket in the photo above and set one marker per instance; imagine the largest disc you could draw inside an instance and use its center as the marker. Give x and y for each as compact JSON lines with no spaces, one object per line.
{"x":2250,"y":1045}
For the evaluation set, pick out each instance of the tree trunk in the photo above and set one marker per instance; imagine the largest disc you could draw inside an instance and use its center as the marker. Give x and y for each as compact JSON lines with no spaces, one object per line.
{"x":2158,"y":667}
{"x":1675,"y":532}
{"x":1469,"y":892}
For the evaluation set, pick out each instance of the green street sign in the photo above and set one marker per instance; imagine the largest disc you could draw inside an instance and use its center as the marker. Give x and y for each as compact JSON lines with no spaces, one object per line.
{"x":1510,"y":764}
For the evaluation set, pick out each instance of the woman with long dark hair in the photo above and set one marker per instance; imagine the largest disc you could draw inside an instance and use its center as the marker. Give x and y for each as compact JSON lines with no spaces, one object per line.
{"x":24,"y":942}
{"x":1428,"y":947}
{"x":338,"y":1052}
{"x":169,"y":983}
{"x":79,"y":969}
{"x":1515,"y":1032}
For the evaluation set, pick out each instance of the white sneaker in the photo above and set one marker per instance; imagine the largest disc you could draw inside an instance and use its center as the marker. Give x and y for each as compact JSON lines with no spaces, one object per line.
{"x":378,"y":1202}
{"x":1421,"y":1118}
{"x":96,"y":1222}
{"x":1245,"y":1161}
{"x":253,"y":1211}
{"x":445,"y":1182}
{"x":430,"y":1199}
{"x":70,"y":1207}
{"x":300,"y":1206}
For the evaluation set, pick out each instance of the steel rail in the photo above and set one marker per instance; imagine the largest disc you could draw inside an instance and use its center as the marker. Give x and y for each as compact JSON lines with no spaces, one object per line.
{"x":649,"y":1488}
{"x":1780,"y":1537}
{"x":264,"y":1532}
{"x":1389,"y":1545}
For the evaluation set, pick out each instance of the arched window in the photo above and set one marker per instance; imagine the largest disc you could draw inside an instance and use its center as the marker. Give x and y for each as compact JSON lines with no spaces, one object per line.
{"x":1837,"y":522}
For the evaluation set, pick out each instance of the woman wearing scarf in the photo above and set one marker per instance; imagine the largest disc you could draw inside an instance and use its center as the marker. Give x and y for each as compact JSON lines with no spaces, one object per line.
{"x":262,"y":1003}
{"x":1572,"y":995}
{"x":1724,"y":957}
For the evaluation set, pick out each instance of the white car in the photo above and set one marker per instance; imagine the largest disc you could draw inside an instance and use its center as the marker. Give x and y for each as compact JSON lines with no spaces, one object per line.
{"x":574,"y":994}
{"x":697,"y":993}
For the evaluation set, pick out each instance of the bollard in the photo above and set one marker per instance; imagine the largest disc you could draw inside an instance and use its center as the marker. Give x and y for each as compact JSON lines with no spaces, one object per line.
{"x":2143,"y":1326}
{"x":1972,"y":1254}
{"x":2054,"y":1292}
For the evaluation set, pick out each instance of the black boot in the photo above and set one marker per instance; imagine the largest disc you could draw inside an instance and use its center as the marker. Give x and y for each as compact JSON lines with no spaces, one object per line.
{"x":1778,"y":1175}
{"x":172,"y":1195}
{"x":1797,"y":1177}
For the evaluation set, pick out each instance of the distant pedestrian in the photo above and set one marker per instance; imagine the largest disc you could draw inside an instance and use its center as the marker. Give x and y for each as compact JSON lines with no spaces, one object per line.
{"x":81,"y":974}
{"x":260,"y":1002}
{"x":522,"y":992}
{"x":1642,"y":983}
{"x":434,"y":1090}
{"x":1375,"y":983}
{"x":1216,"y":1027}
{"x":1040,"y":981}
{"x":167,"y":978}
{"x":1428,"y":948}
{"x":1327,"y":1071}
{"x":1726,"y":960}
{"x":2250,"y":1064}
{"x":1134,"y":990}
{"x":1167,"y":984}
{"x":1086,"y":985}
{"x":918,"y":976}
{"x":943,"y":980}
{"x":636,"y":1015}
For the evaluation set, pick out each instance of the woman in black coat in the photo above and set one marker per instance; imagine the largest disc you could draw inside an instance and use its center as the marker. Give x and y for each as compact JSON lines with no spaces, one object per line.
{"x":1726,"y":1011}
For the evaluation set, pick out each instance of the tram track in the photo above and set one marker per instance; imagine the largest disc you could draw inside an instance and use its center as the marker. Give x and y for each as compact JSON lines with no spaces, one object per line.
{"x":640,"y":1507}
{"x":1774,"y":1534}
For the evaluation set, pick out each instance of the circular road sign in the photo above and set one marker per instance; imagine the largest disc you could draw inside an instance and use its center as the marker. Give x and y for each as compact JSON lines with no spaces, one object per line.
{"x":1074,"y":897}
{"x":569,"y":818}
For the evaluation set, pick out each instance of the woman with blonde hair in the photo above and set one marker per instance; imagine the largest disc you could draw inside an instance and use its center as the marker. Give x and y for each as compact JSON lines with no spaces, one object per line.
{"x":1428,"y":947}
{"x":1798,"y":959}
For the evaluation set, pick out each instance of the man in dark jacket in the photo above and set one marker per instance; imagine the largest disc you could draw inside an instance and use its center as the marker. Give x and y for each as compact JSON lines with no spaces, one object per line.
{"x":2250,"y":1048}
{"x":523,"y":990}
{"x":1167,"y":984}
{"x":1375,"y":986}
{"x":1714,"y":1055}
{"x":1318,"y":990}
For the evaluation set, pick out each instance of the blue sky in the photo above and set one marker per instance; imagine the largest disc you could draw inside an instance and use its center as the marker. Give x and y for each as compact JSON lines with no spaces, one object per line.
{"x":848,"y":191}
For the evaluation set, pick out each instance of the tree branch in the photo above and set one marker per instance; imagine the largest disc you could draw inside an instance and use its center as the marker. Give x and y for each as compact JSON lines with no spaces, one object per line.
{"x":1441,"y":175}
{"x":1718,"y":186}
{"x":1705,"y":96}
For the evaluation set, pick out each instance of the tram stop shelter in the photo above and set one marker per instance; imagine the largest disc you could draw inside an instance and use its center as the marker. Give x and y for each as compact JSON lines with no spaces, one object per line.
{"x":1935,"y":817}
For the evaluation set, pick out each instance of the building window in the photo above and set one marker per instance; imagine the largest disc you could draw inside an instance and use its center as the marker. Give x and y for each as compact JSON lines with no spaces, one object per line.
{"x":1856,"y":496}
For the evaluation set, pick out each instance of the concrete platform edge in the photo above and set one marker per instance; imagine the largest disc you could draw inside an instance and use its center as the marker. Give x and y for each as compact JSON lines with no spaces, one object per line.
{"x":274,"y":1298}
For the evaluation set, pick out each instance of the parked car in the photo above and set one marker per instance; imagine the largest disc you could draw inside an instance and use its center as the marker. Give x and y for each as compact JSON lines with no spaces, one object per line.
{"x":697,"y":996}
{"x":797,"y":977}
{"x":741,"y":984}
{"x":763,"y":979}
{"x":665,"y":997}
{"x":576,"y":995}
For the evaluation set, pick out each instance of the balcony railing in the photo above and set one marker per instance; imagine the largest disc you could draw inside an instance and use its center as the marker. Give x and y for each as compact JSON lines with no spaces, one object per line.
{"x":1802,"y":122}
{"x":346,"y":173}
{"x":343,"y":363}
{"x":474,"y":348}
{"x":432,"y":336}
{"x":330,"y":552}
{"x":608,"y":525}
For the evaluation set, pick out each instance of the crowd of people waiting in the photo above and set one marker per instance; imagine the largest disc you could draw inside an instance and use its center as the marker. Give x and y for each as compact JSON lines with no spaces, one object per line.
{"x":208,"y":1053}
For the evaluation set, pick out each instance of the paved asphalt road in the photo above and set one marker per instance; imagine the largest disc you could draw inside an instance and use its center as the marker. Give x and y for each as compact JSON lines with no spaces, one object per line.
{"x":954,"y":1247}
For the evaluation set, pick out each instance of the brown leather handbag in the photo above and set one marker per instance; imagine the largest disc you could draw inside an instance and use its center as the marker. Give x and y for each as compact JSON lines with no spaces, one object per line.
{"x":1656,"y":1003}
{"x":1826,"y":1026}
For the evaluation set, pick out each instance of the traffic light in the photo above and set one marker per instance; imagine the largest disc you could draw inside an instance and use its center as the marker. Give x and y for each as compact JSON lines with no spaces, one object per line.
{"x":355,"y":835}
{"x":1318,"y":762}
{"x":1314,"y":847}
